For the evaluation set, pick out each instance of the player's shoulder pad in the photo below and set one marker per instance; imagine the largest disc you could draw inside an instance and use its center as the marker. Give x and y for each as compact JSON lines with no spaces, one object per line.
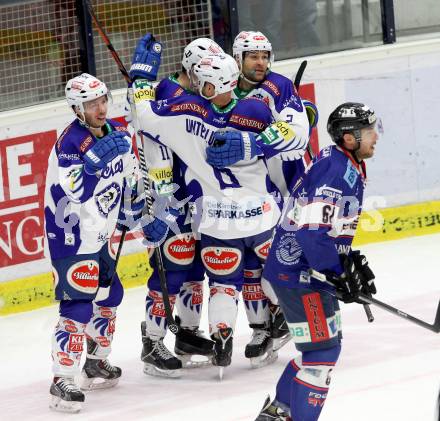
{"x":168,"y":88}
{"x":75,"y":138}
{"x":330,"y":164}
{"x":283,"y":92}
{"x":186,"y":104}
{"x":251,"y":114}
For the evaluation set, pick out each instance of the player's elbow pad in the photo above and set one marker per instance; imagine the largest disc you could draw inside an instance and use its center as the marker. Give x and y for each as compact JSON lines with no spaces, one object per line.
{"x":280,"y":140}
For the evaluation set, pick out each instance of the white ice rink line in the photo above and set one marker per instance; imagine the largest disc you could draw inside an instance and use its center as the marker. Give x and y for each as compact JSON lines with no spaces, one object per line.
{"x":388,"y":370}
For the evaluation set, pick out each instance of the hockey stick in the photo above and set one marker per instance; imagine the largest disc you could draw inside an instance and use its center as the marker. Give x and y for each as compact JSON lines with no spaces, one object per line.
{"x":299,"y":74}
{"x":435,"y":327}
{"x":172,"y":325}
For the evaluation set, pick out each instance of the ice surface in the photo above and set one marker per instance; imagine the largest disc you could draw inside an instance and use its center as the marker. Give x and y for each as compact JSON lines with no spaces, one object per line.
{"x":388,"y":370}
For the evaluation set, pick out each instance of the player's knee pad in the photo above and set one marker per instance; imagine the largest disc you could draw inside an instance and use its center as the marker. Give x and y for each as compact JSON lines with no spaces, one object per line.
{"x":189,"y":304}
{"x":234,"y":282}
{"x":222,"y":309}
{"x":316,"y":366}
{"x":116,"y":293}
{"x":175,"y":279}
{"x":78,"y":310}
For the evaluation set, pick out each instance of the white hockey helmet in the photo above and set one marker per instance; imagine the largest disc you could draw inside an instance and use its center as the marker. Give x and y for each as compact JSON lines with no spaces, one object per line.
{"x":251,"y":41}
{"x":197,"y":49}
{"x":221,"y":70}
{"x":84,"y":88}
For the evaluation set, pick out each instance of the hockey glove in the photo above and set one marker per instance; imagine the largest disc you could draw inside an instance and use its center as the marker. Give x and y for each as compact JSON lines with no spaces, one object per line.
{"x":230,"y":147}
{"x":156,"y":229}
{"x":105,"y":150}
{"x":312,"y":114}
{"x":349,"y":283}
{"x":367,"y":275}
{"x":146,"y":59}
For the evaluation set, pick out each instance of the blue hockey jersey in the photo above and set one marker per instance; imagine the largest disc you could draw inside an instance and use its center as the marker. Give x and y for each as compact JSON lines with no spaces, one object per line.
{"x":319,"y":220}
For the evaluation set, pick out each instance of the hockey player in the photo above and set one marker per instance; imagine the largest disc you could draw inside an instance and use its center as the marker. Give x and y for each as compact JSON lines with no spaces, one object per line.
{"x":317,"y":234}
{"x":253,"y":53}
{"x":91,"y":167}
{"x":235,"y":209}
{"x":180,"y":251}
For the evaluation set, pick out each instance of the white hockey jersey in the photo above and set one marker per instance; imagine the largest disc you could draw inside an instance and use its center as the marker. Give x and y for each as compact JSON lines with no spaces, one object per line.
{"x":226,"y":203}
{"x":81,"y":210}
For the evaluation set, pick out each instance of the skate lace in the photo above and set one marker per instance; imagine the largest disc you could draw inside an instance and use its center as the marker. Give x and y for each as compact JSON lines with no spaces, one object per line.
{"x":67,"y":385}
{"x":162,"y":350}
{"x":258,"y":336}
{"x":107,"y":366}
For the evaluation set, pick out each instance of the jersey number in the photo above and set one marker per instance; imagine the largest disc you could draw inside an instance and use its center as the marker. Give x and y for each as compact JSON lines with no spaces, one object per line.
{"x":328,"y":212}
{"x":226,"y":179}
{"x":164,"y":152}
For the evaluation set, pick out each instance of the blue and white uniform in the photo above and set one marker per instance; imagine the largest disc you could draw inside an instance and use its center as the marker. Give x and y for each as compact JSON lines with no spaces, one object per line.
{"x":318,"y":226}
{"x":230,"y":204}
{"x":286,"y":105}
{"x":81,"y":212}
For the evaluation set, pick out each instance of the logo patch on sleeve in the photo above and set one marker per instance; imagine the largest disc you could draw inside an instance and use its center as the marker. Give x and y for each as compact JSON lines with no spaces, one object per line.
{"x":351,"y":174}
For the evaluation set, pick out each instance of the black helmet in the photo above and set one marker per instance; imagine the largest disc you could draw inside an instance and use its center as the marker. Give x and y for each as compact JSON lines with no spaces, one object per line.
{"x":349,"y":117}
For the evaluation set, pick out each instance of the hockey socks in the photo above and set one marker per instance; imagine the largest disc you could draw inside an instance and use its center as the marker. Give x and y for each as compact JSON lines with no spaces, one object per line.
{"x":310,"y":385}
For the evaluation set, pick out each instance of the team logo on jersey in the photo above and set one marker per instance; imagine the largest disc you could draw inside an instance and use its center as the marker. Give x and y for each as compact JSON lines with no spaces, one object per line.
{"x":108,"y":198}
{"x":288,"y":251}
{"x":262,"y":250}
{"x":180,"y":249}
{"x":112,"y":169}
{"x":351,"y":174}
{"x":84,"y":276}
{"x":221,"y":260}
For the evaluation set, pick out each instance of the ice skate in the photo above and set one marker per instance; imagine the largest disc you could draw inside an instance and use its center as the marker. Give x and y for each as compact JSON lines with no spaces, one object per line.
{"x":158,"y":360}
{"x":279,"y":331}
{"x":260,"y":349}
{"x":222,"y":349}
{"x":272,"y":412}
{"x":192,"y":348}
{"x":65,"y":395}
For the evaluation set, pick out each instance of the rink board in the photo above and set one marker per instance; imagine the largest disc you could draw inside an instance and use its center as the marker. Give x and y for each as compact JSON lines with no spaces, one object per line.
{"x":396,"y":81}
{"x":383,"y":225}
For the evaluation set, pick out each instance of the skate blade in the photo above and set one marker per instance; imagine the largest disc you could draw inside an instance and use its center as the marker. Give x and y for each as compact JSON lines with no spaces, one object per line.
{"x":278,"y":343}
{"x":221,"y":371}
{"x":195,"y":361}
{"x":59,"y":405}
{"x":157,"y":372}
{"x":96,"y":383}
{"x":264,"y":360}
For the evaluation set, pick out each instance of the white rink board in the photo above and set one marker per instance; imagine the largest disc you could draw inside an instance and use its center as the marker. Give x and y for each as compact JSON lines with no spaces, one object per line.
{"x":388,"y":370}
{"x":399,"y":81}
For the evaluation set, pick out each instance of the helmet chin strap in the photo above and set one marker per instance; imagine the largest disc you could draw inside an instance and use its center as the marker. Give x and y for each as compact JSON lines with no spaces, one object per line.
{"x":83,"y":120}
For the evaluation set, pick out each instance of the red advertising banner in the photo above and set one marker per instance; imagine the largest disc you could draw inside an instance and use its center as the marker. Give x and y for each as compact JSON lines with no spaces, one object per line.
{"x":23,"y":165}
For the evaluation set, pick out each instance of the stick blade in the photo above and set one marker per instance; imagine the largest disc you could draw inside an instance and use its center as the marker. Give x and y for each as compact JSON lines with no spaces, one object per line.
{"x":437,"y":320}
